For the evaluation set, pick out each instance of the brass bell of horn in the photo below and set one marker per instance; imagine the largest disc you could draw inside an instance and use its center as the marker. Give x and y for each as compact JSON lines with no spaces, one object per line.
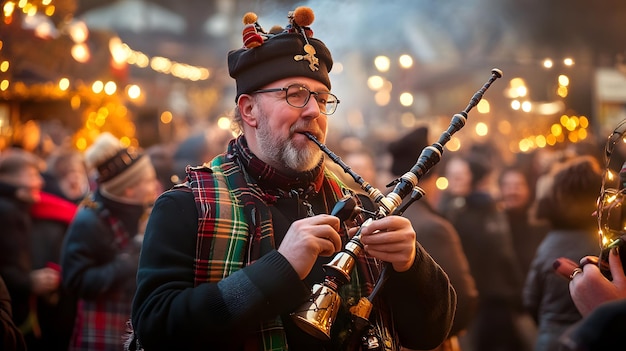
{"x":317,"y":316}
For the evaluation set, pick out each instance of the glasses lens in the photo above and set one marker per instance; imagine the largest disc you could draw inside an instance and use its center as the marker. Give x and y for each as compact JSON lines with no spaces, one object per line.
{"x":297,"y":96}
{"x":330,"y":103}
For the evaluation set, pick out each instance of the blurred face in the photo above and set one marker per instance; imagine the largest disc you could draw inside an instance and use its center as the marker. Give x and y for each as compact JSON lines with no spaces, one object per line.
{"x":514,"y":190}
{"x":75,"y":183}
{"x":459,"y":177}
{"x":273,"y":128}
{"x":29,"y":183}
{"x":146,"y":190}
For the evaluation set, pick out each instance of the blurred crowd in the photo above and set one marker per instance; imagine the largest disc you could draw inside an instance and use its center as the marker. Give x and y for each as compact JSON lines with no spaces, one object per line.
{"x":73,"y":222}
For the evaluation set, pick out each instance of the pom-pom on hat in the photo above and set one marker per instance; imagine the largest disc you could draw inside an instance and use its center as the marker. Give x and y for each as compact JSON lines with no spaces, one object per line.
{"x":290,"y":52}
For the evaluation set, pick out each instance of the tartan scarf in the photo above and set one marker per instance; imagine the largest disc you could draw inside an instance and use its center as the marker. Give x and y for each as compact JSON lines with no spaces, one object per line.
{"x":101,"y":322}
{"x":235,"y":223}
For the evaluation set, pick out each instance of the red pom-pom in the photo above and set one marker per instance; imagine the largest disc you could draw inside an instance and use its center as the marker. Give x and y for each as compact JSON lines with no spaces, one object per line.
{"x":250,"y":18}
{"x":303,"y":16}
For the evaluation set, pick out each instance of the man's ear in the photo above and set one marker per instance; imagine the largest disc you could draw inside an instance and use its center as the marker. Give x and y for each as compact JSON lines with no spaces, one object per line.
{"x":246,"y":104}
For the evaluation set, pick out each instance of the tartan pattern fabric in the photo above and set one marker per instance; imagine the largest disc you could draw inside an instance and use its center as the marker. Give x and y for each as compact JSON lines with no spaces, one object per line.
{"x":235,"y":226}
{"x":101,"y":323}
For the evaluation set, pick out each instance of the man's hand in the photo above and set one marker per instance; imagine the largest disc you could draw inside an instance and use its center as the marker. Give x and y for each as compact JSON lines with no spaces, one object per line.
{"x":391,"y":239}
{"x":309,"y":238}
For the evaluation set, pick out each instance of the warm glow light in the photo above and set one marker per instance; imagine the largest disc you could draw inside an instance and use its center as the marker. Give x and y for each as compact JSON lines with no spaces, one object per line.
{"x":382,"y":63}
{"x":584,"y":122}
{"x":382,"y":98}
{"x":50,"y":10}
{"x":454,"y":144}
{"x":97,"y":86}
{"x":78,"y":31}
{"x":119,"y":51}
{"x":442,"y":183}
{"x":81,"y":144}
{"x":406,"y":99}
{"x":110,"y":88}
{"x":563,"y":80}
{"x":166,"y":117}
{"x":405,"y":61}
{"x":547,"y":63}
{"x":527,"y":106}
{"x":133,"y":91}
{"x":223,"y":123}
{"x":556,"y":129}
{"x":64,"y":84}
{"x":568,"y":61}
{"x":482,"y":129}
{"x":4,"y":85}
{"x":515,"y":104}
{"x":80,"y":53}
{"x":8,"y":8}
{"x":375,"y":82}
{"x":540,"y":140}
{"x":4,"y":66}
{"x":483,"y":106}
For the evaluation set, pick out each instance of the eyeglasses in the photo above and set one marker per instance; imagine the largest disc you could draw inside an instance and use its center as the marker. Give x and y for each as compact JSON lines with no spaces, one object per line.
{"x":298,"y":96}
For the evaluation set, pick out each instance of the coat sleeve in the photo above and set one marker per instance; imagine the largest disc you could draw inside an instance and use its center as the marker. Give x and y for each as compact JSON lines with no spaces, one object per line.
{"x":169,"y":312}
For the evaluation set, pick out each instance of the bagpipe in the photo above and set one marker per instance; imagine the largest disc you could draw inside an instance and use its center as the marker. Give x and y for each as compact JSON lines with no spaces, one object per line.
{"x":317,"y":315}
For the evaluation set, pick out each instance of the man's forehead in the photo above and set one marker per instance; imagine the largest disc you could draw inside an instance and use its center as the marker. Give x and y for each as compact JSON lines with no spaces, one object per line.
{"x":308,"y":83}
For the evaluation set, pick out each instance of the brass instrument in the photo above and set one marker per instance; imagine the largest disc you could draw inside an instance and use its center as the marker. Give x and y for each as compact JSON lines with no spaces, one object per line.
{"x":317,"y":315}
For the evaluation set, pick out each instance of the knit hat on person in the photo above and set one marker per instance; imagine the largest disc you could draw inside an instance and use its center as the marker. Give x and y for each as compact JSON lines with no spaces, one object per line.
{"x":117,"y":167}
{"x":406,"y":150}
{"x":281,"y":53}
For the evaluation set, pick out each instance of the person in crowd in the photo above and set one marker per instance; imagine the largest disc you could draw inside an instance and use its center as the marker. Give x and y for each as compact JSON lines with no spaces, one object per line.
{"x":66,"y":175}
{"x":435,"y":233}
{"x":101,"y":248}
{"x":66,"y":184}
{"x":27,"y":284}
{"x":487,"y":244}
{"x":230,"y":258}
{"x":566,"y":198}
{"x":11,"y":337}
{"x":516,"y":198}
{"x":161,"y":156}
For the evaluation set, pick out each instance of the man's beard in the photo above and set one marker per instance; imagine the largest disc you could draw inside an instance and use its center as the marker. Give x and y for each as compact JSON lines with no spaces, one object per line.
{"x":284,"y":151}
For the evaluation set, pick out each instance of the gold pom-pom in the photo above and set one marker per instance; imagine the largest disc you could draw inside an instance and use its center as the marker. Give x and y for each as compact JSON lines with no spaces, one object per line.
{"x":250,"y":18}
{"x":303,"y":16}
{"x":276,"y":29}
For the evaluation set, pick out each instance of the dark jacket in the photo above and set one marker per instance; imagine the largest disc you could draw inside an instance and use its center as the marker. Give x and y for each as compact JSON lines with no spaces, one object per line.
{"x":546,"y":294}
{"x":487,"y":243}
{"x":441,"y":241}
{"x":174,"y":313}
{"x":10,"y":336}
{"x":15,"y":254}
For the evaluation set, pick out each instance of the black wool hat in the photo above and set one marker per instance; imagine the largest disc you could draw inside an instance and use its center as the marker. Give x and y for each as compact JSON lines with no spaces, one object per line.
{"x":268,"y":57}
{"x":407,"y":149}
